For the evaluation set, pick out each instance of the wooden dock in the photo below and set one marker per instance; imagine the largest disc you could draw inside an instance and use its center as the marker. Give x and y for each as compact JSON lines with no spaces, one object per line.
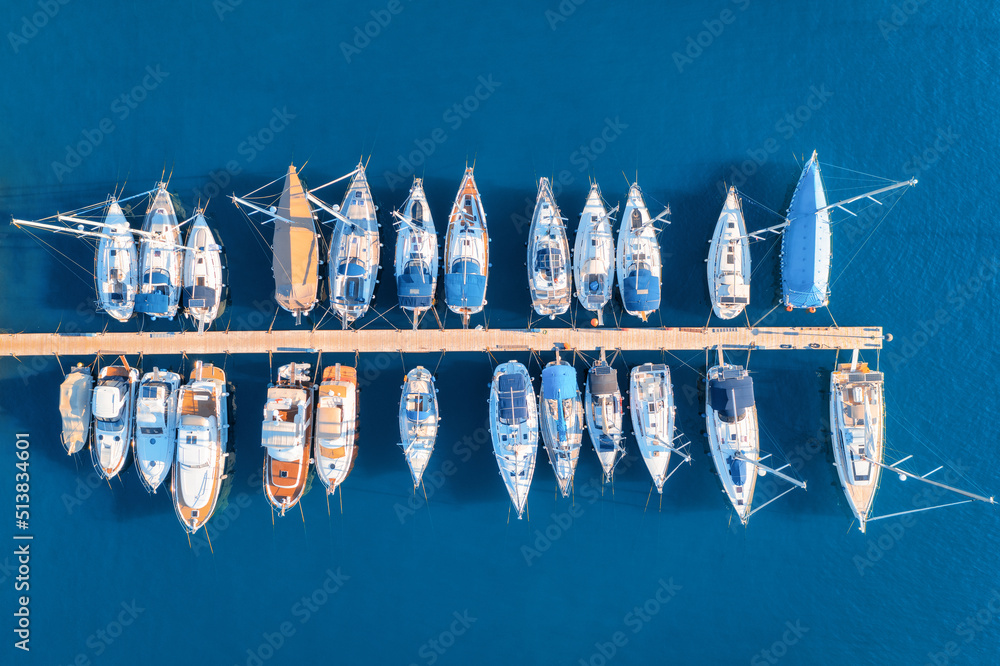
{"x":434,"y":340}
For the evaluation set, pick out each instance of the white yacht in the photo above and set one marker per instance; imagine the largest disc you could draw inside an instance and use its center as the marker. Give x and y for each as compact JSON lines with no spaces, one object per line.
{"x":549,"y":268}
{"x":857,"y":424}
{"x":639,"y":265}
{"x":466,"y":252}
{"x":731,"y":423}
{"x":160,"y":258}
{"x":75,"y":394}
{"x":117,"y":267}
{"x":416,"y":260}
{"x":335,"y":447}
{"x":202,"y":442}
{"x":155,"y":426}
{"x":418,"y":420}
{"x":603,"y":402}
{"x":561,"y":420}
{"x":354,"y":251}
{"x":729,"y":261}
{"x":651,"y":399}
{"x":202,"y":279}
{"x":594,"y":255}
{"x":286,"y":434}
{"x":514,"y":429}
{"x":113,"y":409}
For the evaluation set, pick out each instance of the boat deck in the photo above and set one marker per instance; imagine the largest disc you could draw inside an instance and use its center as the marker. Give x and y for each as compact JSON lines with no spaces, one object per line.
{"x":435,"y":340}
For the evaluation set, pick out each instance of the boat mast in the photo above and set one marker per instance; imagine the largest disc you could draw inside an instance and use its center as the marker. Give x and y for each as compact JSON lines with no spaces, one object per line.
{"x":756,"y":463}
{"x":868,"y":195}
{"x":253,"y":206}
{"x":903,"y":475}
{"x":57,"y":229}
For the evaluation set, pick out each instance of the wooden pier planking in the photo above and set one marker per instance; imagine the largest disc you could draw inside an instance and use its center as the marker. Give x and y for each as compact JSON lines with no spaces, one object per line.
{"x":435,"y":340}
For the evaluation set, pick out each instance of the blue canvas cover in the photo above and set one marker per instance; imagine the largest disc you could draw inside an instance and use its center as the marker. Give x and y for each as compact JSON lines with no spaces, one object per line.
{"x":415,"y":287}
{"x":805,"y":244}
{"x":465,"y":286}
{"x":155,"y":303}
{"x":641,"y":291}
{"x":737,"y":471}
{"x":558,"y":382}
{"x":512,"y":399}
{"x":731,"y":397}
{"x":199,"y":297}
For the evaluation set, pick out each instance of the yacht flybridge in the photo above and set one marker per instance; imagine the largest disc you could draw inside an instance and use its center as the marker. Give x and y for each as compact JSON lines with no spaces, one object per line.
{"x":549,"y":269}
{"x":466,"y":252}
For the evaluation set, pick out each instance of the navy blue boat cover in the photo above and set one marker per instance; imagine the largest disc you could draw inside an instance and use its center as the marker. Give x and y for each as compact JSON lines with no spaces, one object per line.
{"x":641,"y":291}
{"x":465,"y":286}
{"x":512,"y":398}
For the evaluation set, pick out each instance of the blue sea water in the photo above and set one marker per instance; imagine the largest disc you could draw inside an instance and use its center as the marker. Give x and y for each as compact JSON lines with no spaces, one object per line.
{"x":223,"y":95}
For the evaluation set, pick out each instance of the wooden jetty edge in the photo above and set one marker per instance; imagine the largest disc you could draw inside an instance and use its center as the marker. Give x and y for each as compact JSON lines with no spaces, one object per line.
{"x":435,"y":340}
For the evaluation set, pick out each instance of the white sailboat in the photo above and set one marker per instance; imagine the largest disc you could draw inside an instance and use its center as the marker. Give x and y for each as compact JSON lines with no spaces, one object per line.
{"x":295,"y":246}
{"x":651,"y":398}
{"x":199,"y":465}
{"x":729,"y":260}
{"x":75,"y":394}
{"x":156,"y":426}
{"x":857,"y":423}
{"x":466,"y":252}
{"x":202,"y":278}
{"x":639,"y":265}
{"x":354,"y":251}
{"x":114,"y":416}
{"x":116,"y":268}
{"x":603,"y":403}
{"x":549,"y":268}
{"x":418,"y":421}
{"x":416,"y":260}
{"x":561,"y":420}
{"x":160,"y":258}
{"x":514,"y":430}
{"x":335,"y":444}
{"x":594,"y":255}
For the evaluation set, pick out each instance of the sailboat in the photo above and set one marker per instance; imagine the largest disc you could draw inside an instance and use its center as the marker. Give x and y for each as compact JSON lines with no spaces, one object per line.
{"x":418,"y":420}
{"x":594,"y":255}
{"x":75,"y":394}
{"x":729,"y":260}
{"x":857,"y":422}
{"x":805,"y":240}
{"x":639,"y":266}
{"x":199,"y":465}
{"x":514,"y":430}
{"x":286,"y":434}
{"x":467,"y":252}
{"x":335,"y":448}
{"x":202,"y":278}
{"x":603,"y":401}
{"x":113,"y":409}
{"x":561,"y":421}
{"x":295,"y":247}
{"x":156,"y":426}
{"x":416,"y":260}
{"x":116,"y":268}
{"x":651,"y":400}
{"x":733,"y":436}
{"x":354,"y":251}
{"x":549,"y":276}
{"x":160,"y":258}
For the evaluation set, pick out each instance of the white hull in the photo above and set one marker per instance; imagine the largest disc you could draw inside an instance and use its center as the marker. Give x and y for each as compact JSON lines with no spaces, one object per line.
{"x":335,"y":433}
{"x":418,"y":421}
{"x":638,"y":258}
{"x":416,"y":259}
{"x":514,"y":429}
{"x":651,"y":397}
{"x":562,"y":430}
{"x":857,"y":424}
{"x":113,"y":409}
{"x":594,"y":255}
{"x":729,"y":261}
{"x":117,"y":267}
{"x":604,"y":418}
{"x":730,"y":436}
{"x":202,"y":279}
{"x":160,"y":260}
{"x":155,"y":427}
{"x":549,"y":276}
{"x":355,"y":252}
{"x":75,"y":395}
{"x":467,"y":246}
